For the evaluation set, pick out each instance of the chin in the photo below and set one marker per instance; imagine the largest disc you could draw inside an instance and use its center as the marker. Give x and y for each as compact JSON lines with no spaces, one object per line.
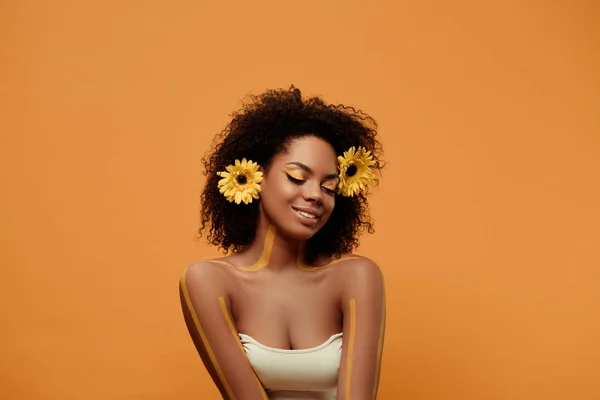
{"x":302,"y":236}
{"x":300,"y":233}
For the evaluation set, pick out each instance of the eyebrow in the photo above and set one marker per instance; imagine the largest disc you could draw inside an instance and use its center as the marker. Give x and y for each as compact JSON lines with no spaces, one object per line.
{"x":309,"y":170}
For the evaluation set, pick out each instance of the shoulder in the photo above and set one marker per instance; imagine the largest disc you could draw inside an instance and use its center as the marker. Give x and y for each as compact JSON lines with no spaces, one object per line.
{"x":360,"y":273}
{"x":361,"y":283}
{"x":205,"y":273}
{"x":356,"y":266}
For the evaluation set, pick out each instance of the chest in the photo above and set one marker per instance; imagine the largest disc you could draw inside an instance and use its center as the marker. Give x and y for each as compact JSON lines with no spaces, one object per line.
{"x":285,"y":303}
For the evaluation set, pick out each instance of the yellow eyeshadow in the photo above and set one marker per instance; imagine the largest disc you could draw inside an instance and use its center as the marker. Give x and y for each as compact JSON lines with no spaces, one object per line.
{"x":294,"y":174}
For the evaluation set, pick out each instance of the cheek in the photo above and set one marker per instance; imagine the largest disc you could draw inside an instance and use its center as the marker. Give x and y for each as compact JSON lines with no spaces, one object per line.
{"x":285,"y":192}
{"x":276,"y":192}
{"x":329,"y":204}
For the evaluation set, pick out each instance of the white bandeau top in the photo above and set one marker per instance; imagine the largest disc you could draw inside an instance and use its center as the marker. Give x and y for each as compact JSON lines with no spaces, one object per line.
{"x":302,"y":374}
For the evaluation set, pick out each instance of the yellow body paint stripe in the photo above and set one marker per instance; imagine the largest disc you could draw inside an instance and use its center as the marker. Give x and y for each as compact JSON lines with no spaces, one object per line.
{"x":209,"y":350}
{"x":234,"y":332}
{"x":379,"y":347}
{"x":220,"y":262}
{"x":305,"y":267}
{"x":350,"y":347}
{"x":265,"y":256}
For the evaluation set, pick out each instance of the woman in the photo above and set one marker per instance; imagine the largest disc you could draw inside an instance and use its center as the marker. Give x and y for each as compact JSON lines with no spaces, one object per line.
{"x":291,"y":313}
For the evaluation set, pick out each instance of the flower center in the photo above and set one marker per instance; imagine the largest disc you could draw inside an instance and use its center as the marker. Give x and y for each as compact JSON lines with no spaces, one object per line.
{"x":351,"y":171}
{"x":241,"y":179}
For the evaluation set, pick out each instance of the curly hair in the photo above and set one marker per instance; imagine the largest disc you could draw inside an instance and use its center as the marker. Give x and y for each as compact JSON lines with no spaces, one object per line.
{"x":262,"y":128}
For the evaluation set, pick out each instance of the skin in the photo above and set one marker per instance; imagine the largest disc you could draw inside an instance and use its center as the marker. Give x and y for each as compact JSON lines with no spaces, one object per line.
{"x":256,"y":291}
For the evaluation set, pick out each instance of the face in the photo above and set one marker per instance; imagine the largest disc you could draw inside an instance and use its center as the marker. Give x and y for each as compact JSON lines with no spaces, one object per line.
{"x":298,"y":190}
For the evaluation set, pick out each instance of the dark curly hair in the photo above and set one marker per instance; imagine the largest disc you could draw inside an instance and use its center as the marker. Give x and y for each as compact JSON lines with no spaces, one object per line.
{"x":261,"y":129}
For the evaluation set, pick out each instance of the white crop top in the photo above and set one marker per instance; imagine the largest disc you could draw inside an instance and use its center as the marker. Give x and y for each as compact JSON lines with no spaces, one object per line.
{"x":302,"y":374}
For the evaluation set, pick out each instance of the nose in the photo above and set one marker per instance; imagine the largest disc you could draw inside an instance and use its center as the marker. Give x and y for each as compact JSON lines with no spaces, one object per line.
{"x":313,"y":193}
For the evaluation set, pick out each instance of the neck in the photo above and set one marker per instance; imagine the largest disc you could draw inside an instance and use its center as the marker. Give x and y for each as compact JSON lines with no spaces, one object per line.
{"x":271,"y":249}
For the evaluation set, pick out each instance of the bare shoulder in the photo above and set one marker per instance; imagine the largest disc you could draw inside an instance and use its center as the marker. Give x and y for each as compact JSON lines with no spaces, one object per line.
{"x":359,"y":267}
{"x":360,"y":272}
{"x":204,"y":274}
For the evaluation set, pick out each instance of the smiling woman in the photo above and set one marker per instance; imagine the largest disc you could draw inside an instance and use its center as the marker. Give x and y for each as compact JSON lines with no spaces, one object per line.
{"x":289,"y":312}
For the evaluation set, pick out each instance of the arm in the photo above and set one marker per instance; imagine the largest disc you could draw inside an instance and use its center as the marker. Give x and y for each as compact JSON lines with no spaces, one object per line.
{"x":207,"y":313}
{"x":363,"y":310}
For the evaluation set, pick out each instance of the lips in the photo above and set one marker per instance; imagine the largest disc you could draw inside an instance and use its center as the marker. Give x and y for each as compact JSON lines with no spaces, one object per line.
{"x":309,"y":212}
{"x":309,"y":216}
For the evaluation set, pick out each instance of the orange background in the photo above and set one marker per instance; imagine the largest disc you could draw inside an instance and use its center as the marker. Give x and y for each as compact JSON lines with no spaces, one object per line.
{"x":487,"y":215}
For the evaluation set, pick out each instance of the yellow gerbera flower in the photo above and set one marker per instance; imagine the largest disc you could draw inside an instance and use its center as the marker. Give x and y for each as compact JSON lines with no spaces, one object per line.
{"x":240,"y":182}
{"x":356,"y":171}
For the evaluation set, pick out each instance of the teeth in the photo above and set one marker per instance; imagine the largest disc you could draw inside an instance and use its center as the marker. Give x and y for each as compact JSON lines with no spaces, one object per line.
{"x":306,"y":214}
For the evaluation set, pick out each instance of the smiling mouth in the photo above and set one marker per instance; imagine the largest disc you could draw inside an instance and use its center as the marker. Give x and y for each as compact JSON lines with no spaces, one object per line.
{"x":306,"y":214}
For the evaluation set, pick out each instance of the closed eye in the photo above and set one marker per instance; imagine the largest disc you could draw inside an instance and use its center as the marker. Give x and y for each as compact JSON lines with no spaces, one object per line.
{"x":294,"y":179}
{"x":298,"y":181}
{"x":329,"y":190}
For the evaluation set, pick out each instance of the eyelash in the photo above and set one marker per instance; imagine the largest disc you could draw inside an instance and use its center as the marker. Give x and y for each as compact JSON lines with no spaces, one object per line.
{"x":300,"y":182}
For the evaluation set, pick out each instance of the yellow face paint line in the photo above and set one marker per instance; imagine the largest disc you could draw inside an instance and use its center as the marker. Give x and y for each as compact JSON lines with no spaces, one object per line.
{"x":351,"y":339}
{"x":299,"y":177}
{"x":234,"y":332}
{"x":293,"y":174}
{"x":209,"y":350}
{"x":379,"y":348}
{"x":265,"y":256}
